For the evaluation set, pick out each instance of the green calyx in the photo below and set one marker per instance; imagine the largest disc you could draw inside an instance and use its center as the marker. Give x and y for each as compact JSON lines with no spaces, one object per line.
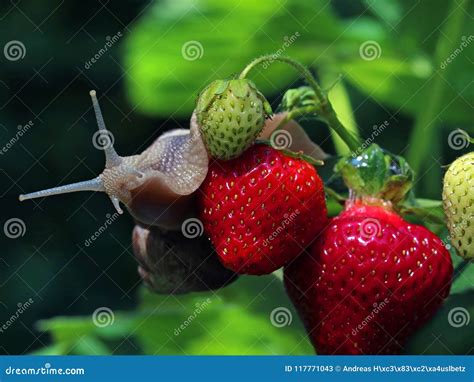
{"x":377,"y":173}
{"x":231,"y":115}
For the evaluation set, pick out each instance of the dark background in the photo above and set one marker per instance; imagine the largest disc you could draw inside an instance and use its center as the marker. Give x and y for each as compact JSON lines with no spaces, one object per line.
{"x":50,"y":86}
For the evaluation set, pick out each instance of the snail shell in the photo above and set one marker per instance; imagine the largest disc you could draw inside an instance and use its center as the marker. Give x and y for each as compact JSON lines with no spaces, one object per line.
{"x":171,"y":263}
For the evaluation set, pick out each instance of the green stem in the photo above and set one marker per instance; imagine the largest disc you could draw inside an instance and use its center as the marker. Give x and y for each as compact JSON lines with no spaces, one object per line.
{"x":341,"y":103}
{"x":292,"y":154}
{"x":427,"y":117}
{"x":333,"y":194}
{"x":325,"y":108}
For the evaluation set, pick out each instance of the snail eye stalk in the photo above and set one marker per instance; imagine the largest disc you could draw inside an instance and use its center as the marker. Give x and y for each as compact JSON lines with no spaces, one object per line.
{"x":112,"y":159}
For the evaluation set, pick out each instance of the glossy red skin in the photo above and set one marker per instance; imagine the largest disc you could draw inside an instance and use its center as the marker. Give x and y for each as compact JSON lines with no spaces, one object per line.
{"x":349,"y":274}
{"x":262,"y":193}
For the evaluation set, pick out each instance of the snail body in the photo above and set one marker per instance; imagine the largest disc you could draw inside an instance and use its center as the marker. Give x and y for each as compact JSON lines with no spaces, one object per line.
{"x":156,"y":186}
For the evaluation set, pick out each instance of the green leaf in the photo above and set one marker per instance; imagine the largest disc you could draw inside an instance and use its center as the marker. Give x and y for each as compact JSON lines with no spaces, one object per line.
{"x":427,"y":210}
{"x":399,"y":82}
{"x":233,"y":320}
{"x":398,"y":78}
{"x":174,"y":50}
{"x":389,"y":11}
{"x":164,"y":80}
{"x":341,"y":103}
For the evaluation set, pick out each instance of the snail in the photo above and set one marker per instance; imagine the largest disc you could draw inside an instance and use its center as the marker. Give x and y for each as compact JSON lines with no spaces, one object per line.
{"x":157,"y":189}
{"x":156,"y":186}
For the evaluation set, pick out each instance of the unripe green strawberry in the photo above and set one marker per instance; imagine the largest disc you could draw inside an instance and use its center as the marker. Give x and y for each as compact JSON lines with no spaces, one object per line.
{"x":458,"y":200}
{"x":231,"y":114}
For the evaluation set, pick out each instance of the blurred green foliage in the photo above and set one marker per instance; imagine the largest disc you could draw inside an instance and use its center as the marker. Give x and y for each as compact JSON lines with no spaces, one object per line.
{"x":234,"y":320}
{"x":160,"y":79}
{"x":147,"y":86}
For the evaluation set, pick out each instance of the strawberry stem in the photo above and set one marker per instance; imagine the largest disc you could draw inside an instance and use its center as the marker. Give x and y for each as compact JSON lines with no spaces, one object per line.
{"x":335,"y":195}
{"x":295,"y":113}
{"x":324,"y":108}
{"x":293,"y":154}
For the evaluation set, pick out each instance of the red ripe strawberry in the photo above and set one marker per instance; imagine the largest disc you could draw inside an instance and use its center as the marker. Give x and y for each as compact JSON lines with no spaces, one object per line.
{"x":262,"y":209}
{"x":371,"y":278}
